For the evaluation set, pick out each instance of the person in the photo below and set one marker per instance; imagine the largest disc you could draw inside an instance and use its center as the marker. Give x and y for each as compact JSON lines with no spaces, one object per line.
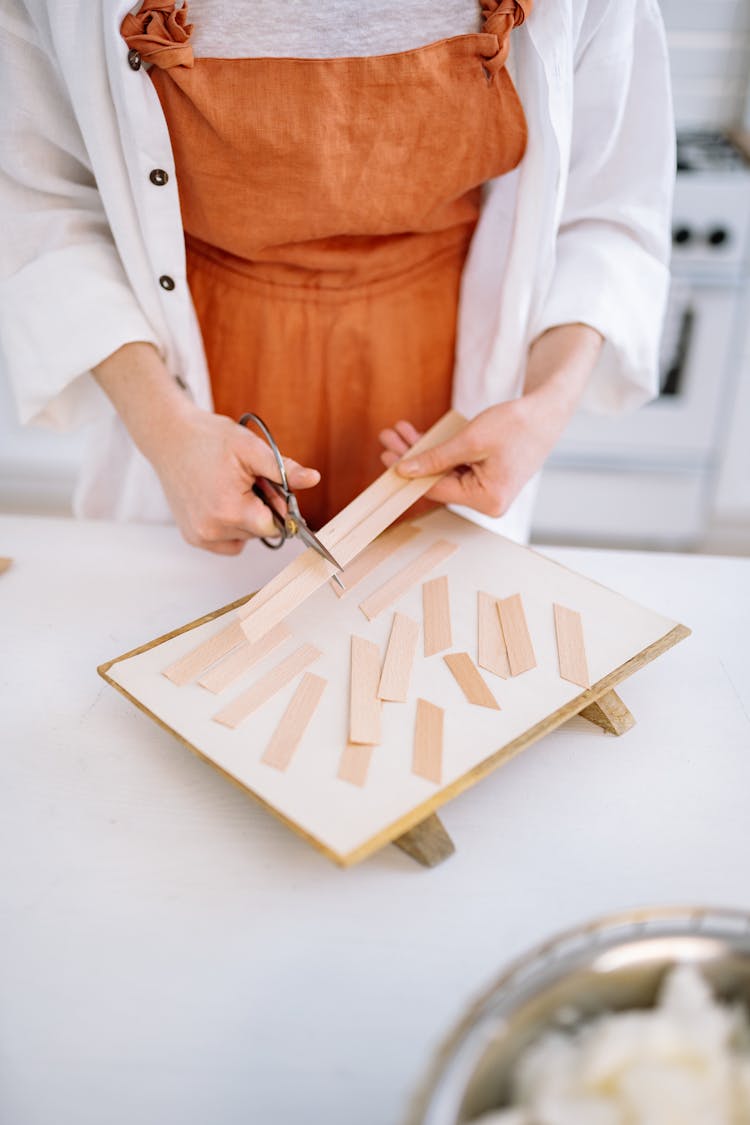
{"x":341,"y":218}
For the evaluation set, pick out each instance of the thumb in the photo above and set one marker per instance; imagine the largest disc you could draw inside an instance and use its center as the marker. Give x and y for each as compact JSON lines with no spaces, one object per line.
{"x":440,"y":459}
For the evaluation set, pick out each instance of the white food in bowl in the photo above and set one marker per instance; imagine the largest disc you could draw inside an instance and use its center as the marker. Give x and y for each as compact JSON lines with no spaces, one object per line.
{"x":684,"y":1062}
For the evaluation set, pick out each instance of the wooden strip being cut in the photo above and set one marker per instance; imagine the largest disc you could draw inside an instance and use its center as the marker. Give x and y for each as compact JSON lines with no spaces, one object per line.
{"x":207,"y":653}
{"x":491,"y":651}
{"x":408,"y":576}
{"x":294,"y":722}
{"x":355,"y":763}
{"x":516,"y":635}
{"x":266,"y":687}
{"x":571,"y":652}
{"x":345,"y":536}
{"x":436,"y":610}
{"x":399,"y":658}
{"x":364,"y":706}
{"x":427,"y":759}
{"x":379,"y":551}
{"x":468,"y":678}
{"x":242,"y":659}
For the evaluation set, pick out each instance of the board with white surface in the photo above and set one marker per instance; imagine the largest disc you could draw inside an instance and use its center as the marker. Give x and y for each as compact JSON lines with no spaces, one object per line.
{"x":311,"y":793}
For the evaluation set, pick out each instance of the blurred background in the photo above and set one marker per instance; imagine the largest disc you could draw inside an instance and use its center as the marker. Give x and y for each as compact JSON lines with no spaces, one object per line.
{"x":675,"y":475}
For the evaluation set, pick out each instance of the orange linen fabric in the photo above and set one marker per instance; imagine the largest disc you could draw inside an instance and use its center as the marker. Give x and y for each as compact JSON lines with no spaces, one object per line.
{"x":328,"y":207}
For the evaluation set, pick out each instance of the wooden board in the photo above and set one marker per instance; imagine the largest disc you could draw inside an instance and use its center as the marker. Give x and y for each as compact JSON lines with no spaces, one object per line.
{"x":349,"y":820}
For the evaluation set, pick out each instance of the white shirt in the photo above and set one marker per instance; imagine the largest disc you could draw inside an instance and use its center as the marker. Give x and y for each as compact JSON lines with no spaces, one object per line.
{"x":87,"y":235}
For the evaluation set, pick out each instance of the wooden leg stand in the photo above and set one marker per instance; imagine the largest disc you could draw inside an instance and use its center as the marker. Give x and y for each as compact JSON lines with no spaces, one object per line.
{"x":427,"y":842}
{"x":610,"y":713}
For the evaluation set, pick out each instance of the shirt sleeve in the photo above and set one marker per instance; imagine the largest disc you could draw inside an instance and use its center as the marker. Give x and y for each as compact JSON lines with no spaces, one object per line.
{"x":613,"y":243}
{"x":65,"y":301}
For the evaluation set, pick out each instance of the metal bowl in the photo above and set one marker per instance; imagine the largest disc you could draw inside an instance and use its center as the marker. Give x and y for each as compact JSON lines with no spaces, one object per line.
{"x":609,"y":965}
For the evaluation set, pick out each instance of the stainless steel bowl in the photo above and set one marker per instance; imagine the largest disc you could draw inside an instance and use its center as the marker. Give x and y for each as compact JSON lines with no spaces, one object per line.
{"x":609,"y":965}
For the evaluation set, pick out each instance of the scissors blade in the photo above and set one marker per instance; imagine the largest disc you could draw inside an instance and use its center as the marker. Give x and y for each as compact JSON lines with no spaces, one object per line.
{"x":312,"y":540}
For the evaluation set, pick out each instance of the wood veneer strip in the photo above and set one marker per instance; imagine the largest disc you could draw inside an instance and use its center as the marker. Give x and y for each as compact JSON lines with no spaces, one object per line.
{"x":241,"y":659}
{"x":355,"y":763}
{"x":436,"y":611}
{"x":294,"y":722}
{"x":364,"y":706}
{"x":408,"y":576}
{"x":346,"y":536}
{"x":516,"y":635}
{"x":399,"y":659}
{"x":379,"y":551}
{"x":5,"y":563}
{"x":266,"y":687}
{"x":571,"y":651}
{"x":427,"y":758}
{"x":491,"y":652}
{"x":205,"y":654}
{"x":468,"y":678}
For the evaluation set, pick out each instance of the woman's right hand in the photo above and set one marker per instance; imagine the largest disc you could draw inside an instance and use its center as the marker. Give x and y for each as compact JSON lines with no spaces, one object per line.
{"x":207,"y":464}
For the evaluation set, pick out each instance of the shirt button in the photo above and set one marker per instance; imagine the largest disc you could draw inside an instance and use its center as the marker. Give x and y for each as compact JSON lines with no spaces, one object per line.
{"x":166,"y":282}
{"x":134,"y":59}
{"x":158,"y":177}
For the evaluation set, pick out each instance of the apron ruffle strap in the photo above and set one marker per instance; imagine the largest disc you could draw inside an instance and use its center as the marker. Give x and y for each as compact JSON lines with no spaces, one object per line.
{"x":161,"y":33}
{"x":500,"y":17}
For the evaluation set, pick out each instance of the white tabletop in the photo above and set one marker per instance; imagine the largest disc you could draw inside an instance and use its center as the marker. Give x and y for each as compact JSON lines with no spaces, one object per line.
{"x":171,"y":954}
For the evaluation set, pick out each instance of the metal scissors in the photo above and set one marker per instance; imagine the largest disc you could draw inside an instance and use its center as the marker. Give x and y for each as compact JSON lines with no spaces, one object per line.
{"x":291,"y":522}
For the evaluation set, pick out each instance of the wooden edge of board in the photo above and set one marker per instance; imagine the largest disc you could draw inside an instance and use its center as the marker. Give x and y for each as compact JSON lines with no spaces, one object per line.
{"x":416,"y":815}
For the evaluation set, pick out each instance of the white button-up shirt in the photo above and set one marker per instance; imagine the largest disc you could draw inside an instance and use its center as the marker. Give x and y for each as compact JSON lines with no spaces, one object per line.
{"x":579,"y":232}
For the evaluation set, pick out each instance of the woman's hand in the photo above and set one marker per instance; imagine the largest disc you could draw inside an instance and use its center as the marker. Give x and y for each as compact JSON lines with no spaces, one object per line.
{"x":493,"y":457}
{"x":207,"y":463}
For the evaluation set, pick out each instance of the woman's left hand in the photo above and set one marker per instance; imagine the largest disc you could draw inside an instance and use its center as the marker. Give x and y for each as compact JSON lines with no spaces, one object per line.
{"x":493,"y":457}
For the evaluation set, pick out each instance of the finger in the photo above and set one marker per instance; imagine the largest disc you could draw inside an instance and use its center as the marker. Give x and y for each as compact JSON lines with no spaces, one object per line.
{"x":255,"y":519}
{"x":441,"y":459}
{"x":409,"y":433}
{"x":394,"y":442}
{"x":260,"y":461}
{"x":300,"y":476}
{"x":225,"y":546}
{"x":468,"y":491}
{"x":388,"y":458}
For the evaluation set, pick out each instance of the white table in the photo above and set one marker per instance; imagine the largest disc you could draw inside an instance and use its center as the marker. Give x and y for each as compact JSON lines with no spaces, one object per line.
{"x":171,"y":955}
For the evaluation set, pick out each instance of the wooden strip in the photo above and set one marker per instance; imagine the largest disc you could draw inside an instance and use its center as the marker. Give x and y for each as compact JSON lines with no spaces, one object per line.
{"x":468,"y":678}
{"x":491,"y":651}
{"x":404,"y":579}
{"x":5,"y":563}
{"x":436,"y":610}
{"x":571,"y":651}
{"x":355,"y":763}
{"x":236,"y":663}
{"x":364,"y":705}
{"x":346,"y":536}
{"x":266,"y":687}
{"x":399,"y":658}
{"x":294,"y":722}
{"x":205,"y":654}
{"x":379,"y":551}
{"x":516,"y":635}
{"x":427,"y":759}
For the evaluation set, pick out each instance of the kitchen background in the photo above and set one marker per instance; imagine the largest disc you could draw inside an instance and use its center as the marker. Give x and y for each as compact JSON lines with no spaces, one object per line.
{"x":675,"y":475}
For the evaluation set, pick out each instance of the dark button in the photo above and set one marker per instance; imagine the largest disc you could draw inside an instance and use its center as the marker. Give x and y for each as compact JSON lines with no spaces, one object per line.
{"x":158,"y":177}
{"x":718,"y":236}
{"x":166,"y":281}
{"x":134,"y":59}
{"x":681,"y":235}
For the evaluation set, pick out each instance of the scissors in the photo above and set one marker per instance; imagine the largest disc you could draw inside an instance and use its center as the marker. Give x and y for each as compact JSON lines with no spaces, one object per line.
{"x":292,"y":522}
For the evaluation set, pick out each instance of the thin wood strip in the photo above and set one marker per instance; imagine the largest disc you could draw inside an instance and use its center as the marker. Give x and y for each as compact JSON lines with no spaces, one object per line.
{"x":239,"y":661}
{"x":266,"y":687}
{"x":399,"y":659}
{"x":379,"y":551}
{"x":436,"y":610}
{"x":469,"y":679}
{"x":491,"y":652}
{"x":516,"y":635}
{"x":427,"y":759}
{"x":571,"y":651}
{"x":5,"y":563}
{"x":355,"y":763}
{"x":364,"y":706}
{"x":346,"y":536}
{"x":404,"y":579}
{"x":205,"y":654}
{"x":286,"y":738}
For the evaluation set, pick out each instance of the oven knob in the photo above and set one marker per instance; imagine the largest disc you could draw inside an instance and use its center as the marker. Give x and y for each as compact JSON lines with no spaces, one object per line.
{"x":681,"y":236}
{"x":717,"y":236}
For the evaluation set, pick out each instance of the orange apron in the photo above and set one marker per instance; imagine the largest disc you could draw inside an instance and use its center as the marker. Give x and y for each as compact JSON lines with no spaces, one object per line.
{"x":328,"y":207}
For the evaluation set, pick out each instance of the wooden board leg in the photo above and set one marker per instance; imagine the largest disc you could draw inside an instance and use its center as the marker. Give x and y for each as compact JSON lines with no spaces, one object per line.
{"x":427,"y":842}
{"x":610,"y":713}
